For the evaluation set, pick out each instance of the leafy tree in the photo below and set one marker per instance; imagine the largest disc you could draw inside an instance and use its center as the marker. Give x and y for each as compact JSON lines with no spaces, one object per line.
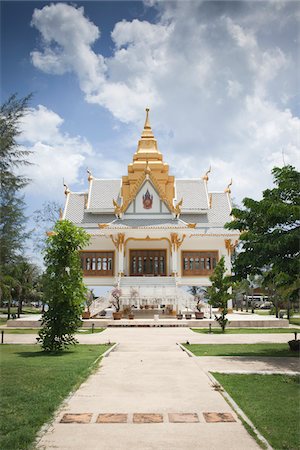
{"x":64,"y":290}
{"x":270,"y":233}
{"x":12,"y":156}
{"x":218,"y":292}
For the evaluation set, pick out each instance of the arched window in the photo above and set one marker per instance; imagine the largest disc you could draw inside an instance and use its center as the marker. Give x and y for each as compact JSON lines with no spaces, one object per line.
{"x":88,"y":264}
{"x":162,"y":265}
{"x":98,"y":263}
{"x":93,"y":263}
{"x":191,"y":263}
{"x":185,"y":264}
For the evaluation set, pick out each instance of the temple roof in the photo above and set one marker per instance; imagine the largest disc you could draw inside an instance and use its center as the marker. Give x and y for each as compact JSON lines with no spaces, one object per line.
{"x":194,"y":194}
{"x":188,"y":202}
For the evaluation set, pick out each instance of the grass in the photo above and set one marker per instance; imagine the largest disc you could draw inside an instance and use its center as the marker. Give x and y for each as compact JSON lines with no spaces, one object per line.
{"x":274,"y":409}
{"x":33,"y":385}
{"x":245,"y":330}
{"x":25,"y":310}
{"x":262,"y":312}
{"x":241,"y":350}
{"x":3,"y":321}
{"x":35,"y":330}
{"x":295,"y":320}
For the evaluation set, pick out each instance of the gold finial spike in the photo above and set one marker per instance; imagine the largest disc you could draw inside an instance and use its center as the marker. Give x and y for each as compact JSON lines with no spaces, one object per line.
{"x":205,"y":177}
{"x":61,"y":213}
{"x":147,"y":124}
{"x":90,"y":175}
{"x":147,"y":132}
{"x":228,"y":190}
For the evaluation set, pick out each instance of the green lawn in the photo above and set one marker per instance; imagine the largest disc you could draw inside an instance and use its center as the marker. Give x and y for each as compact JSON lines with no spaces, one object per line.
{"x":34,"y":384}
{"x":240,"y":349}
{"x":273,"y":409}
{"x":246,"y":330}
{"x":295,"y":321}
{"x":25,"y":310}
{"x":35,"y":331}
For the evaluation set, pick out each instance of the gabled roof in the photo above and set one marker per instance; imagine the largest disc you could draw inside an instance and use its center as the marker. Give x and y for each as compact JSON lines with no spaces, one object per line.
{"x":220,"y":208}
{"x":101,"y":193}
{"x":194,"y":194}
{"x":76,"y":213}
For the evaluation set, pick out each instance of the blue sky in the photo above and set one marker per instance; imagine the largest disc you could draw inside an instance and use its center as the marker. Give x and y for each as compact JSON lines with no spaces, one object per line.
{"x":220,"y":79}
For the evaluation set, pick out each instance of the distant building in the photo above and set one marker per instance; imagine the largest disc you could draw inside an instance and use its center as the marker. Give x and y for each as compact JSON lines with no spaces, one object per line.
{"x":149,"y":229}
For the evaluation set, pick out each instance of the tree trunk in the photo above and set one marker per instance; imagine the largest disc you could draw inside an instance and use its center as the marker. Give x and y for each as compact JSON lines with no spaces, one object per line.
{"x":20,"y":304}
{"x":288,"y":310}
{"x":8,"y":308}
{"x":276,"y":307}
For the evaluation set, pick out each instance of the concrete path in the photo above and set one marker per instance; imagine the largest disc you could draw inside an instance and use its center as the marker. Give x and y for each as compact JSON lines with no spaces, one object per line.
{"x":147,"y":374}
{"x":159,"y":335}
{"x":246,"y":364}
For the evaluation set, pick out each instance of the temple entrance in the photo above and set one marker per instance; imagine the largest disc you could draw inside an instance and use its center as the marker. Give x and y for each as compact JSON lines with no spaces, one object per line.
{"x":148,"y":263}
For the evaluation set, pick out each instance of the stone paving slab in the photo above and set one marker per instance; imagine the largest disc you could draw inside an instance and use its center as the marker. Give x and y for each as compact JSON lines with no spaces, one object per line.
{"x":112,"y":418}
{"x":215,"y":417}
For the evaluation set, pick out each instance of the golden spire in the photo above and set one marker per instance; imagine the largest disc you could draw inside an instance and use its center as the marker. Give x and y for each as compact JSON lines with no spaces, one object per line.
{"x":147,"y":132}
{"x":205,"y":177}
{"x":228,"y":190}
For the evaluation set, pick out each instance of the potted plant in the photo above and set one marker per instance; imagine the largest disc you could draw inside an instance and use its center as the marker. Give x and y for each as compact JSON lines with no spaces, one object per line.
{"x":188,"y":315}
{"x":128,"y":312}
{"x":116,"y":303}
{"x":295,"y":344}
{"x":179,"y":316}
{"x":88,"y":302}
{"x":199,"y":314}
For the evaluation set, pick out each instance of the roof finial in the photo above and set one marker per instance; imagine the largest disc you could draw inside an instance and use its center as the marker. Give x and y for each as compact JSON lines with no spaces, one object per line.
{"x":90,"y":175}
{"x":147,"y":124}
{"x":228,"y":190}
{"x":147,"y":132}
{"x":205,"y":177}
{"x":67,"y":190}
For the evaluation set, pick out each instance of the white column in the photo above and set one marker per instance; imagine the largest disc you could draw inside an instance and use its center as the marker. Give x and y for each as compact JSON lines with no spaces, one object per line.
{"x":121,"y":259}
{"x":174,"y":259}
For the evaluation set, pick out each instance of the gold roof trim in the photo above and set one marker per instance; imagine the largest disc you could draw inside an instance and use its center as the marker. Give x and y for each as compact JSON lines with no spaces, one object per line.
{"x":228,"y":190}
{"x":205,"y":176}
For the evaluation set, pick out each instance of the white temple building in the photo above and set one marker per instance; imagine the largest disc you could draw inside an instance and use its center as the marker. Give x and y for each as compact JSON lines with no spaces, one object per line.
{"x":150,"y":231}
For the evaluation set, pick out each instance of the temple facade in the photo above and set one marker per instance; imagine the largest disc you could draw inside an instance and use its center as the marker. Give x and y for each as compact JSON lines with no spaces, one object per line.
{"x":149,"y":228}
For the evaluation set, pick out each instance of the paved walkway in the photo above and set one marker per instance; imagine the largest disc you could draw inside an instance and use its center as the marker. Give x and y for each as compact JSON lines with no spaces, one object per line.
{"x":149,"y":378}
{"x":159,"y":335}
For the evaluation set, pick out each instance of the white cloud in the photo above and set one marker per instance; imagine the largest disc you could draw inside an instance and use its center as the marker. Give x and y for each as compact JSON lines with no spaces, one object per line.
{"x":55,"y":155}
{"x":219,"y":87}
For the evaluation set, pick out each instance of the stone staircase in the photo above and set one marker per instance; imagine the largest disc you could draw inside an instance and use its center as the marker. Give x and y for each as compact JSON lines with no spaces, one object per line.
{"x":156,"y":290}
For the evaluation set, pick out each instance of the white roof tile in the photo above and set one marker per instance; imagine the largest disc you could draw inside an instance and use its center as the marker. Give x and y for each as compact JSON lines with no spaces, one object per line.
{"x":193,"y":193}
{"x":76,"y":213}
{"x":102,"y":194}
